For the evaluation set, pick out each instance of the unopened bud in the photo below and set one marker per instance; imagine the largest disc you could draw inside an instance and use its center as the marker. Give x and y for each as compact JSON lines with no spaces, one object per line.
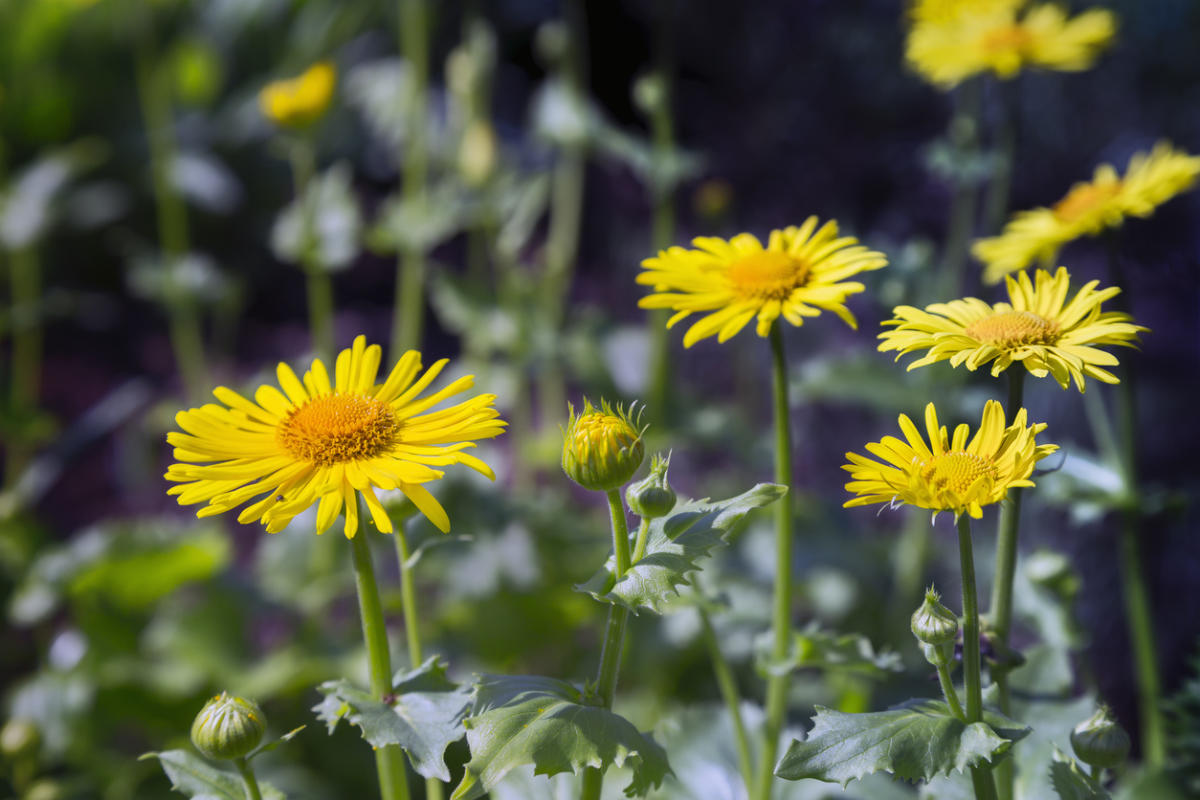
{"x":228,"y":727}
{"x":933,"y":623}
{"x":1100,"y":740}
{"x":653,"y":497}
{"x":602,"y":448}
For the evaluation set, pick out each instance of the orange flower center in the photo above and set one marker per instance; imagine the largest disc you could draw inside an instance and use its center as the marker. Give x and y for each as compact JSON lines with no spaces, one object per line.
{"x":1011,"y":38}
{"x":767,"y":275}
{"x":1084,"y":198}
{"x":1013,"y":329}
{"x":955,"y":471}
{"x":338,"y":428}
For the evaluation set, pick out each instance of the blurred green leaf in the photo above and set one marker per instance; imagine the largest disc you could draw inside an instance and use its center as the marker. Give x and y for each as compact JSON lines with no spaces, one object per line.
{"x":425,"y":716}
{"x":322,"y":228}
{"x":817,"y":649}
{"x":381,"y":91}
{"x":195,"y":275}
{"x":916,"y":740}
{"x":1070,"y":782}
{"x":677,"y":543}
{"x":418,"y":223}
{"x":195,"y":777}
{"x":29,"y":204}
{"x":519,"y":720}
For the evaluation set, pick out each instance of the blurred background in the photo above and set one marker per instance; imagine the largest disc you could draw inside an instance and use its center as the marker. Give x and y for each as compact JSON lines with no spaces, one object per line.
{"x":147,"y":206}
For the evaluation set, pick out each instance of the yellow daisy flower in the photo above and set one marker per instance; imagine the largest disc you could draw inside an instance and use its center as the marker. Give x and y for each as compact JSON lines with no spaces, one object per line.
{"x":1038,"y":329}
{"x":948,"y":473}
{"x":322,"y":442}
{"x":1150,"y":180}
{"x":950,"y":44}
{"x":946,"y":11}
{"x":798,"y":274}
{"x":300,"y":101}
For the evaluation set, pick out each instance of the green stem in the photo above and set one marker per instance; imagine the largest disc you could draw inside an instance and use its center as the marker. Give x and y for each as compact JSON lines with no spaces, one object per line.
{"x":614,"y":635}
{"x":643,"y":539}
{"x":777,"y":683}
{"x":964,"y":136}
{"x":247,"y":772}
{"x":318,"y":282}
{"x":154,"y":94}
{"x":727,"y":683}
{"x":25,"y":320}
{"x":981,"y":777}
{"x":995,"y":207}
{"x":948,"y":690}
{"x":389,"y":761}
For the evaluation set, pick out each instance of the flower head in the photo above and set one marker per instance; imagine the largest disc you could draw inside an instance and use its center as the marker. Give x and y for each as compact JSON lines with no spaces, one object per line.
{"x":653,"y":496}
{"x":300,"y":101}
{"x":1038,"y":328}
{"x":949,"y":473}
{"x":953,"y":40}
{"x":799,"y":273}
{"x":1090,"y":207}
{"x":325,"y":442}
{"x":602,"y":447}
{"x":1100,"y":741}
{"x":228,"y":727}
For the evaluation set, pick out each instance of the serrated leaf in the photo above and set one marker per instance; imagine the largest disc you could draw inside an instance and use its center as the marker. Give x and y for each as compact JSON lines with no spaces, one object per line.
{"x":675,"y":546}
{"x":813,"y":648}
{"x":191,"y":775}
{"x":426,"y":717}
{"x":547,"y":723}
{"x":1070,"y":782}
{"x":917,"y":740}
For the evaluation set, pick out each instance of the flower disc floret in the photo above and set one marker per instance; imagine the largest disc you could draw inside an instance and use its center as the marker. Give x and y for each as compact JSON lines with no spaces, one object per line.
{"x":1038,"y":329}
{"x":300,"y":101}
{"x":328,"y":442}
{"x":958,"y":473}
{"x":799,"y":273}
{"x":602,"y":447}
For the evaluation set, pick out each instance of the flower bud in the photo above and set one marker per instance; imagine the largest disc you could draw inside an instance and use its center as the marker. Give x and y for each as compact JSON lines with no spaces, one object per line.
{"x":653,"y":497}
{"x":228,"y":727}
{"x":650,"y":92}
{"x":1100,"y":740}
{"x":602,"y":448}
{"x":939,"y":655}
{"x":477,"y":152}
{"x":933,"y":623}
{"x":18,"y":739}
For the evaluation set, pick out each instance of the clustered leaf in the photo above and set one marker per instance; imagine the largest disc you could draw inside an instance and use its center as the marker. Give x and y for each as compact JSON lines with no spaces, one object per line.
{"x":916,"y":740}
{"x":425,"y":715}
{"x":519,"y":720}
{"x":675,"y":546}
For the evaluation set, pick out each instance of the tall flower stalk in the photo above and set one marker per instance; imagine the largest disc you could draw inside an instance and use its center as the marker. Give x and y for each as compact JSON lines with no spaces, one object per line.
{"x":981,"y":776}
{"x":318,"y":282}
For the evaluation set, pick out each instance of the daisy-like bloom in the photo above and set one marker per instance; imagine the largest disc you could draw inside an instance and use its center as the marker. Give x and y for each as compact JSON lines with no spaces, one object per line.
{"x":1150,"y":180}
{"x":948,"y":473}
{"x":300,"y":101}
{"x":1037,"y":328}
{"x":325,"y":442}
{"x":950,"y":42}
{"x":799,"y":273}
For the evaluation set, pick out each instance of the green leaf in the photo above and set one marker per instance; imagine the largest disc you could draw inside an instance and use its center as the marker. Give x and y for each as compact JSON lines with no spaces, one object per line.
{"x":269,"y":746}
{"x":677,"y":543}
{"x":547,"y":723}
{"x":191,"y":775}
{"x":916,"y":740}
{"x":1070,"y":782}
{"x":813,"y":648}
{"x":424,"y":718}
{"x":322,"y":228}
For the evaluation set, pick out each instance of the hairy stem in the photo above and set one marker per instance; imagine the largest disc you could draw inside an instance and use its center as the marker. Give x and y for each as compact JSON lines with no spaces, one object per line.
{"x":981,"y":777}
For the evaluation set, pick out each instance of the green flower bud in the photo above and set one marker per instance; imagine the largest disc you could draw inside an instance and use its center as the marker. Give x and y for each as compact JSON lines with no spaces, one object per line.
{"x":649,"y":92}
{"x":602,"y":448}
{"x":653,"y":497}
{"x":1100,"y":740}
{"x":933,"y":623}
{"x":19,"y":739}
{"x":228,"y":727}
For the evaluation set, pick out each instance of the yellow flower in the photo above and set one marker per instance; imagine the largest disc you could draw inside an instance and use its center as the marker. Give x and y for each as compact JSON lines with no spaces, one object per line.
{"x":322,"y":442}
{"x":602,"y":448}
{"x":947,"y":11}
{"x":951,"y":42}
{"x":1150,"y":180}
{"x":1038,"y":328}
{"x":948,"y":473}
{"x":798,"y":274}
{"x":300,"y":101}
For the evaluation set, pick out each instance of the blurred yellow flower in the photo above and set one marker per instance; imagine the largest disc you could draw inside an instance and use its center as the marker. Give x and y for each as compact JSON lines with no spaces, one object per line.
{"x":798,"y":274}
{"x":950,"y":42}
{"x":948,"y":473}
{"x":1037,"y":329}
{"x":1150,"y":180}
{"x":300,"y":101}
{"x":322,"y":442}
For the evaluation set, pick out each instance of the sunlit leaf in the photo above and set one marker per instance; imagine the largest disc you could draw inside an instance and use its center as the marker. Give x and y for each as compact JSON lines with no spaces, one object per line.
{"x":1070,"y":782}
{"x":324,"y":227}
{"x":817,"y":649}
{"x":197,"y":778}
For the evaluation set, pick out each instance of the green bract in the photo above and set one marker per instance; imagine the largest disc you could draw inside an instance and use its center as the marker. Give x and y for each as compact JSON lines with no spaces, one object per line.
{"x":228,"y":727}
{"x":602,"y":448}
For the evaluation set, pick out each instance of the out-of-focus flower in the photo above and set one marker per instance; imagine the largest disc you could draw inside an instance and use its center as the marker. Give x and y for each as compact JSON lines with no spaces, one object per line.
{"x":326,"y":442}
{"x":602,"y":447}
{"x":950,"y":42}
{"x":300,"y":101}
{"x":1037,"y":328}
{"x":948,"y":473}
{"x":800,"y":273}
{"x":1090,"y":207}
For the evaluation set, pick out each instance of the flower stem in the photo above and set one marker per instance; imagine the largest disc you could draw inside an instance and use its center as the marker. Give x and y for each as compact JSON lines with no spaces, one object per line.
{"x":964,"y":136}
{"x":614,"y":636}
{"x":777,"y":683}
{"x":643,"y":539}
{"x":948,"y":690}
{"x":247,"y":772}
{"x":318,"y":283}
{"x":996,"y":201}
{"x":25,"y":285}
{"x":981,"y":777}
{"x":389,"y":761}
{"x":729,"y":693}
